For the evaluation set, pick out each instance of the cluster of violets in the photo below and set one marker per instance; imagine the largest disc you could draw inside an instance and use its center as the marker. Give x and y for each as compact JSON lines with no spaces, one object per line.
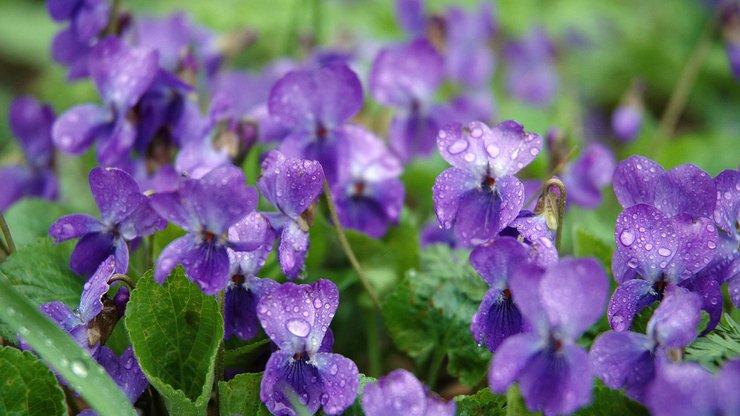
{"x":163,"y":161}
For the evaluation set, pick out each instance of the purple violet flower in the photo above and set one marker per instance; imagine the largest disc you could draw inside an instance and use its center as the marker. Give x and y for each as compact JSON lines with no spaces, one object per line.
{"x":245,"y":289}
{"x":627,"y":121}
{"x":628,"y":360}
{"x":687,"y":389}
{"x":655,"y":251}
{"x":297,"y":318}
{"x":730,"y":18}
{"x":368,"y":194}
{"x":498,"y":317}
{"x":585,"y":178}
{"x":560,"y":303}
{"x":531,"y":75}
{"x":124,"y":370}
{"x":315,"y":105}
{"x":82,"y":324}
{"x":683,"y":189}
{"x":30,"y":122}
{"x":411,"y":16}
{"x":122,"y":75}
{"x":479,"y":195}
{"x":205,"y":208}
{"x":725,"y":267}
{"x":71,"y":46}
{"x":469,"y":58}
{"x":406,"y":77}
{"x":126,"y":214}
{"x":291,"y":186}
{"x":399,"y":393}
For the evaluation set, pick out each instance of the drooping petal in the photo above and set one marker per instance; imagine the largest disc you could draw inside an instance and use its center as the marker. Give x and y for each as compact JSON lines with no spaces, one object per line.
{"x":171,"y":256}
{"x":286,"y":380}
{"x":574,"y":293}
{"x":340,"y":382}
{"x":91,"y":300}
{"x":635,"y":181}
{"x":296,"y":317}
{"x":90,"y":252}
{"x":682,"y":390}
{"x":398,"y":393}
{"x":125,"y":371}
{"x":207,"y":264}
{"x":497,"y":319}
{"x":448,"y":189}
{"x":511,"y":358}
{"x":674,"y":322}
{"x":710,"y":292}
{"x":116,"y":143}
{"x":557,"y":382}
{"x":402,"y":74}
{"x":624,"y":360}
{"x":293,"y":249}
{"x":220,"y":198}
{"x":122,"y":73}
{"x":483,"y":213}
{"x":254,"y":230}
{"x":686,"y":189}
{"x":76,"y":129}
{"x":74,"y":226}
{"x":240,"y":312}
{"x":628,"y":300}
{"x":495,"y":262}
{"x":647,"y":239}
{"x":62,"y":315}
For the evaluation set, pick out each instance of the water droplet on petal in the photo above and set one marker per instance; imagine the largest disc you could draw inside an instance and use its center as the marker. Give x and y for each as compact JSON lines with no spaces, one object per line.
{"x":627,"y":238}
{"x":457,"y":147}
{"x":298,"y":327}
{"x":664,"y":252}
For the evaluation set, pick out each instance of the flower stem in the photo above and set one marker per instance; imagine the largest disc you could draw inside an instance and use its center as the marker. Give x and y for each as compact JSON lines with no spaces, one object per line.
{"x":561,"y":207}
{"x":348,"y":249}
{"x":10,"y":245}
{"x":680,"y":94}
{"x":122,"y":278}
{"x":219,"y":367}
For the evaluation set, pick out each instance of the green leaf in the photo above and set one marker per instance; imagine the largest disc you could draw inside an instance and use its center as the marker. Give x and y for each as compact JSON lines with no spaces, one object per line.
{"x":175,"y":330}
{"x":60,"y":351}
{"x":241,"y":396}
{"x":718,"y":346}
{"x":40,"y":272}
{"x":483,"y":403}
{"x":515,"y":403}
{"x":428,"y":314}
{"x":30,"y":218}
{"x":608,"y":402}
{"x":239,"y":356}
{"x":28,"y":387}
{"x":586,"y":244}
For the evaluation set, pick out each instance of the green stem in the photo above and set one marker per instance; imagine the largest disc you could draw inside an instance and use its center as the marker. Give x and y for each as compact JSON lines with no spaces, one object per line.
{"x":373,"y":346}
{"x":6,"y":235}
{"x":435,"y":365}
{"x":680,"y":94}
{"x":219,"y":367}
{"x":348,"y":249}
{"x":561,"y":207}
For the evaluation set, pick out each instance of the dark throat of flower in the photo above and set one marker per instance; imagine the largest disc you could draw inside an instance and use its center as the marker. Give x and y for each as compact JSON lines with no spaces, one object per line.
{"x":321,"y":131}
{"x":359,"y":189}
{"x":488,"y":183}
{"x":238,"y":279}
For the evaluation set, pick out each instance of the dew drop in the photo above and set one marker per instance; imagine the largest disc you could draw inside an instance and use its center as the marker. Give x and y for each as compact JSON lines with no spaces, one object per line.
{"x":627,"y":238}
{"x":711,"y":245}
{"x":79,"y":368}
{"x":298,"y":327}
{"x":457,"y":147}
{"x":317,"y":303}
{"x":493,"y":150}
{"x":664,"y":252}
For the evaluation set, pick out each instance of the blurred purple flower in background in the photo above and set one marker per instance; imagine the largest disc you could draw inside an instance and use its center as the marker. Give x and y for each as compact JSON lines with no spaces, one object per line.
{"x":399,"y":393}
